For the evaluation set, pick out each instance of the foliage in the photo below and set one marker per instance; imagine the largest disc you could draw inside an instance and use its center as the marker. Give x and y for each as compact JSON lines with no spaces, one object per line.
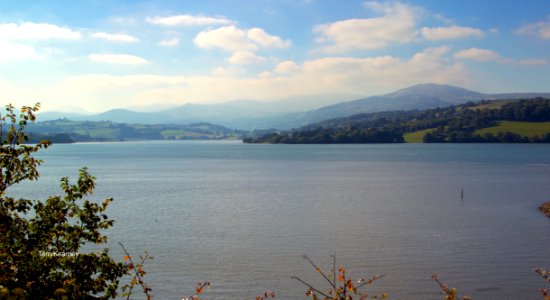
{"x":545,"y":208}
{"x":341,"y":287}
{"x":41,"y":242}
{"x":137,"y":273}
{"x":350,"y":135}
{"x":448,"y":293}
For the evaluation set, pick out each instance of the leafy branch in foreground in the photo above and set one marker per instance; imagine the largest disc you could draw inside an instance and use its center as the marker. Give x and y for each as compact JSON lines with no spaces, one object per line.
{"x":137,"y":272}
{"x":449,"y":293}
{"x":41,"y":242}
{"x":341,"y":287}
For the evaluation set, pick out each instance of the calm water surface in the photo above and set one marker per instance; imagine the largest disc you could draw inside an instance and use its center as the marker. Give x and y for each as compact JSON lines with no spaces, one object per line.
{"x":242,"y":216}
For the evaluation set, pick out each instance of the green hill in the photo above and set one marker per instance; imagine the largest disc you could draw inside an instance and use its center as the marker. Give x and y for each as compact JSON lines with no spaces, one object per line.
{"x":504,"y":121}
{"x":84,"y":131}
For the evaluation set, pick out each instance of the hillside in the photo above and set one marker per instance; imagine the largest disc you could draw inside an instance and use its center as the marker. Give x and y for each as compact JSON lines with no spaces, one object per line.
{"x":85,"y":131}
{"x":242,"y":114}
{"x":520,"y":121}
{"x":297,"y":111}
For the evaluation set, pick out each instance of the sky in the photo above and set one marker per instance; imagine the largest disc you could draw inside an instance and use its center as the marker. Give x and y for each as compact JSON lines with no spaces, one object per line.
{"x":92,"y":56}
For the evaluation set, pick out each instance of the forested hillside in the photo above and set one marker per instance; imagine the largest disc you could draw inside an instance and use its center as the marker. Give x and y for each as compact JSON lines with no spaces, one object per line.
{"x":473,"y":122}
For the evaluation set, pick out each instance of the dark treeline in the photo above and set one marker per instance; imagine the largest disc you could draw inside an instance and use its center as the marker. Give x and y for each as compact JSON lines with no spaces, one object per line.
{"x":349,"y":135}
{"x":453,"y":124}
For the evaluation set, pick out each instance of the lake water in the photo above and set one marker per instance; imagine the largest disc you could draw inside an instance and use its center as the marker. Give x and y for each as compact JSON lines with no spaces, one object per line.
{"x":242,"y":216}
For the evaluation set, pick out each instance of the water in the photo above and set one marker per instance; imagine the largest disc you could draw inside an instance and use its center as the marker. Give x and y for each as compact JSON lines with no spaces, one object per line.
{"x":242,"y":216}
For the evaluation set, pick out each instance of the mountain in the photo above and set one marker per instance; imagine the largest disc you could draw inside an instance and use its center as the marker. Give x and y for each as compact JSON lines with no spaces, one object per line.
{"x":242,"y":114}
{"x":422,"y":96}
{"x":442,"y":92}
{"x":299,"y":111}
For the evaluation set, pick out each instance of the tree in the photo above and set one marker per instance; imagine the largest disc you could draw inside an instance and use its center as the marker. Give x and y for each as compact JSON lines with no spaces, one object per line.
{"x":41,"y":253}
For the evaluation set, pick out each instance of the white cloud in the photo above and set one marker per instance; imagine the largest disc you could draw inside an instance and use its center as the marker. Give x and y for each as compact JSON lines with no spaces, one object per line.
{"x":485,"y":55}
{"x":450,"y":33}
{"x":286,"y":67}
{"x":478,"y":54}
{"x":367,"y":76}
{"x":36,"y":31}
{"x":124,"y":59}
{"x":266,"y":40}
{"x":228,"y":38}
{"x":396,"y":25}
{"x":245,"y":57}
{"x":118,"y":37}
{"x":169,"y":42}
{"x":227,"y":72}
{"x":231,"y":38}
{"x":539,"y":30}
{"x":188,"y":20}
{"x":13,"y":51}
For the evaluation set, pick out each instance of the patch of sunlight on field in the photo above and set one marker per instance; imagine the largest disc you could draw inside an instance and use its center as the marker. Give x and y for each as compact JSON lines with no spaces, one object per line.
{"x":522,"y":128}
{"x":416,"y":136}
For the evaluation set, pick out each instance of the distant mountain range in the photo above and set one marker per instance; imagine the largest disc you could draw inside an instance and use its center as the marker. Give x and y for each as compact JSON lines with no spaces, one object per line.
{"x":296,"y":112}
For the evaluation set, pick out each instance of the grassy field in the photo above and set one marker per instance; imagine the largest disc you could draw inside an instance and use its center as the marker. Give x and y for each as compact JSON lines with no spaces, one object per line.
{"x":416,"y":136}
{"x":180,"y":134}
{"x":522,"y":128}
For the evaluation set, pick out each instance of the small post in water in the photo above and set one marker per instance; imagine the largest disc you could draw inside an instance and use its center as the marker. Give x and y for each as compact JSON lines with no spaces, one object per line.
{"x":461,"y":194}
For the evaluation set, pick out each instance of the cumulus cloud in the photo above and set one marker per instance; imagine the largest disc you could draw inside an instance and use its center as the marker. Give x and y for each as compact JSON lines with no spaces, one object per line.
{"x":286,"y":67}
{"x":478,"y":54}
{"x":450,"y":33}
{"x":396,"y":25}
{"x":228,"y":38}
{"x":36,"y":31}
{"x":13,"y":51}
{"x":124,"y":59}
{"x":262,"y":38}
{"x":231,"y":38}
{"x":539,"y":30}
{"x":169,"y":42}
{"x":367,"y":76}
{"x":115,"y":37}
{"x":485,"y":55}
{"x":188,"y":20}
{"x":245,"y":57}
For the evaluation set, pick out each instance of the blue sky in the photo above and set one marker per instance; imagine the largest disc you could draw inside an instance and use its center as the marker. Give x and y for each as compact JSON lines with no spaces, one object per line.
{"x":92,"y":56}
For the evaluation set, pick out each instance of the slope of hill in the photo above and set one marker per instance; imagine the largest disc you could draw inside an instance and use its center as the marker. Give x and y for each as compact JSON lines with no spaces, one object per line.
{"x":421,"y":96}
{"x":517,"y":121}
{"x":299,"y":111}
{"x":85,"y":131}
{"x":243,"y":114}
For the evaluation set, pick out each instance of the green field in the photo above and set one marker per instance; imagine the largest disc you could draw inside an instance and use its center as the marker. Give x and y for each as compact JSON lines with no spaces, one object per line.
{"x":416,"y":136}
{"x":522,"y":128}
{"x":181,"y":134}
